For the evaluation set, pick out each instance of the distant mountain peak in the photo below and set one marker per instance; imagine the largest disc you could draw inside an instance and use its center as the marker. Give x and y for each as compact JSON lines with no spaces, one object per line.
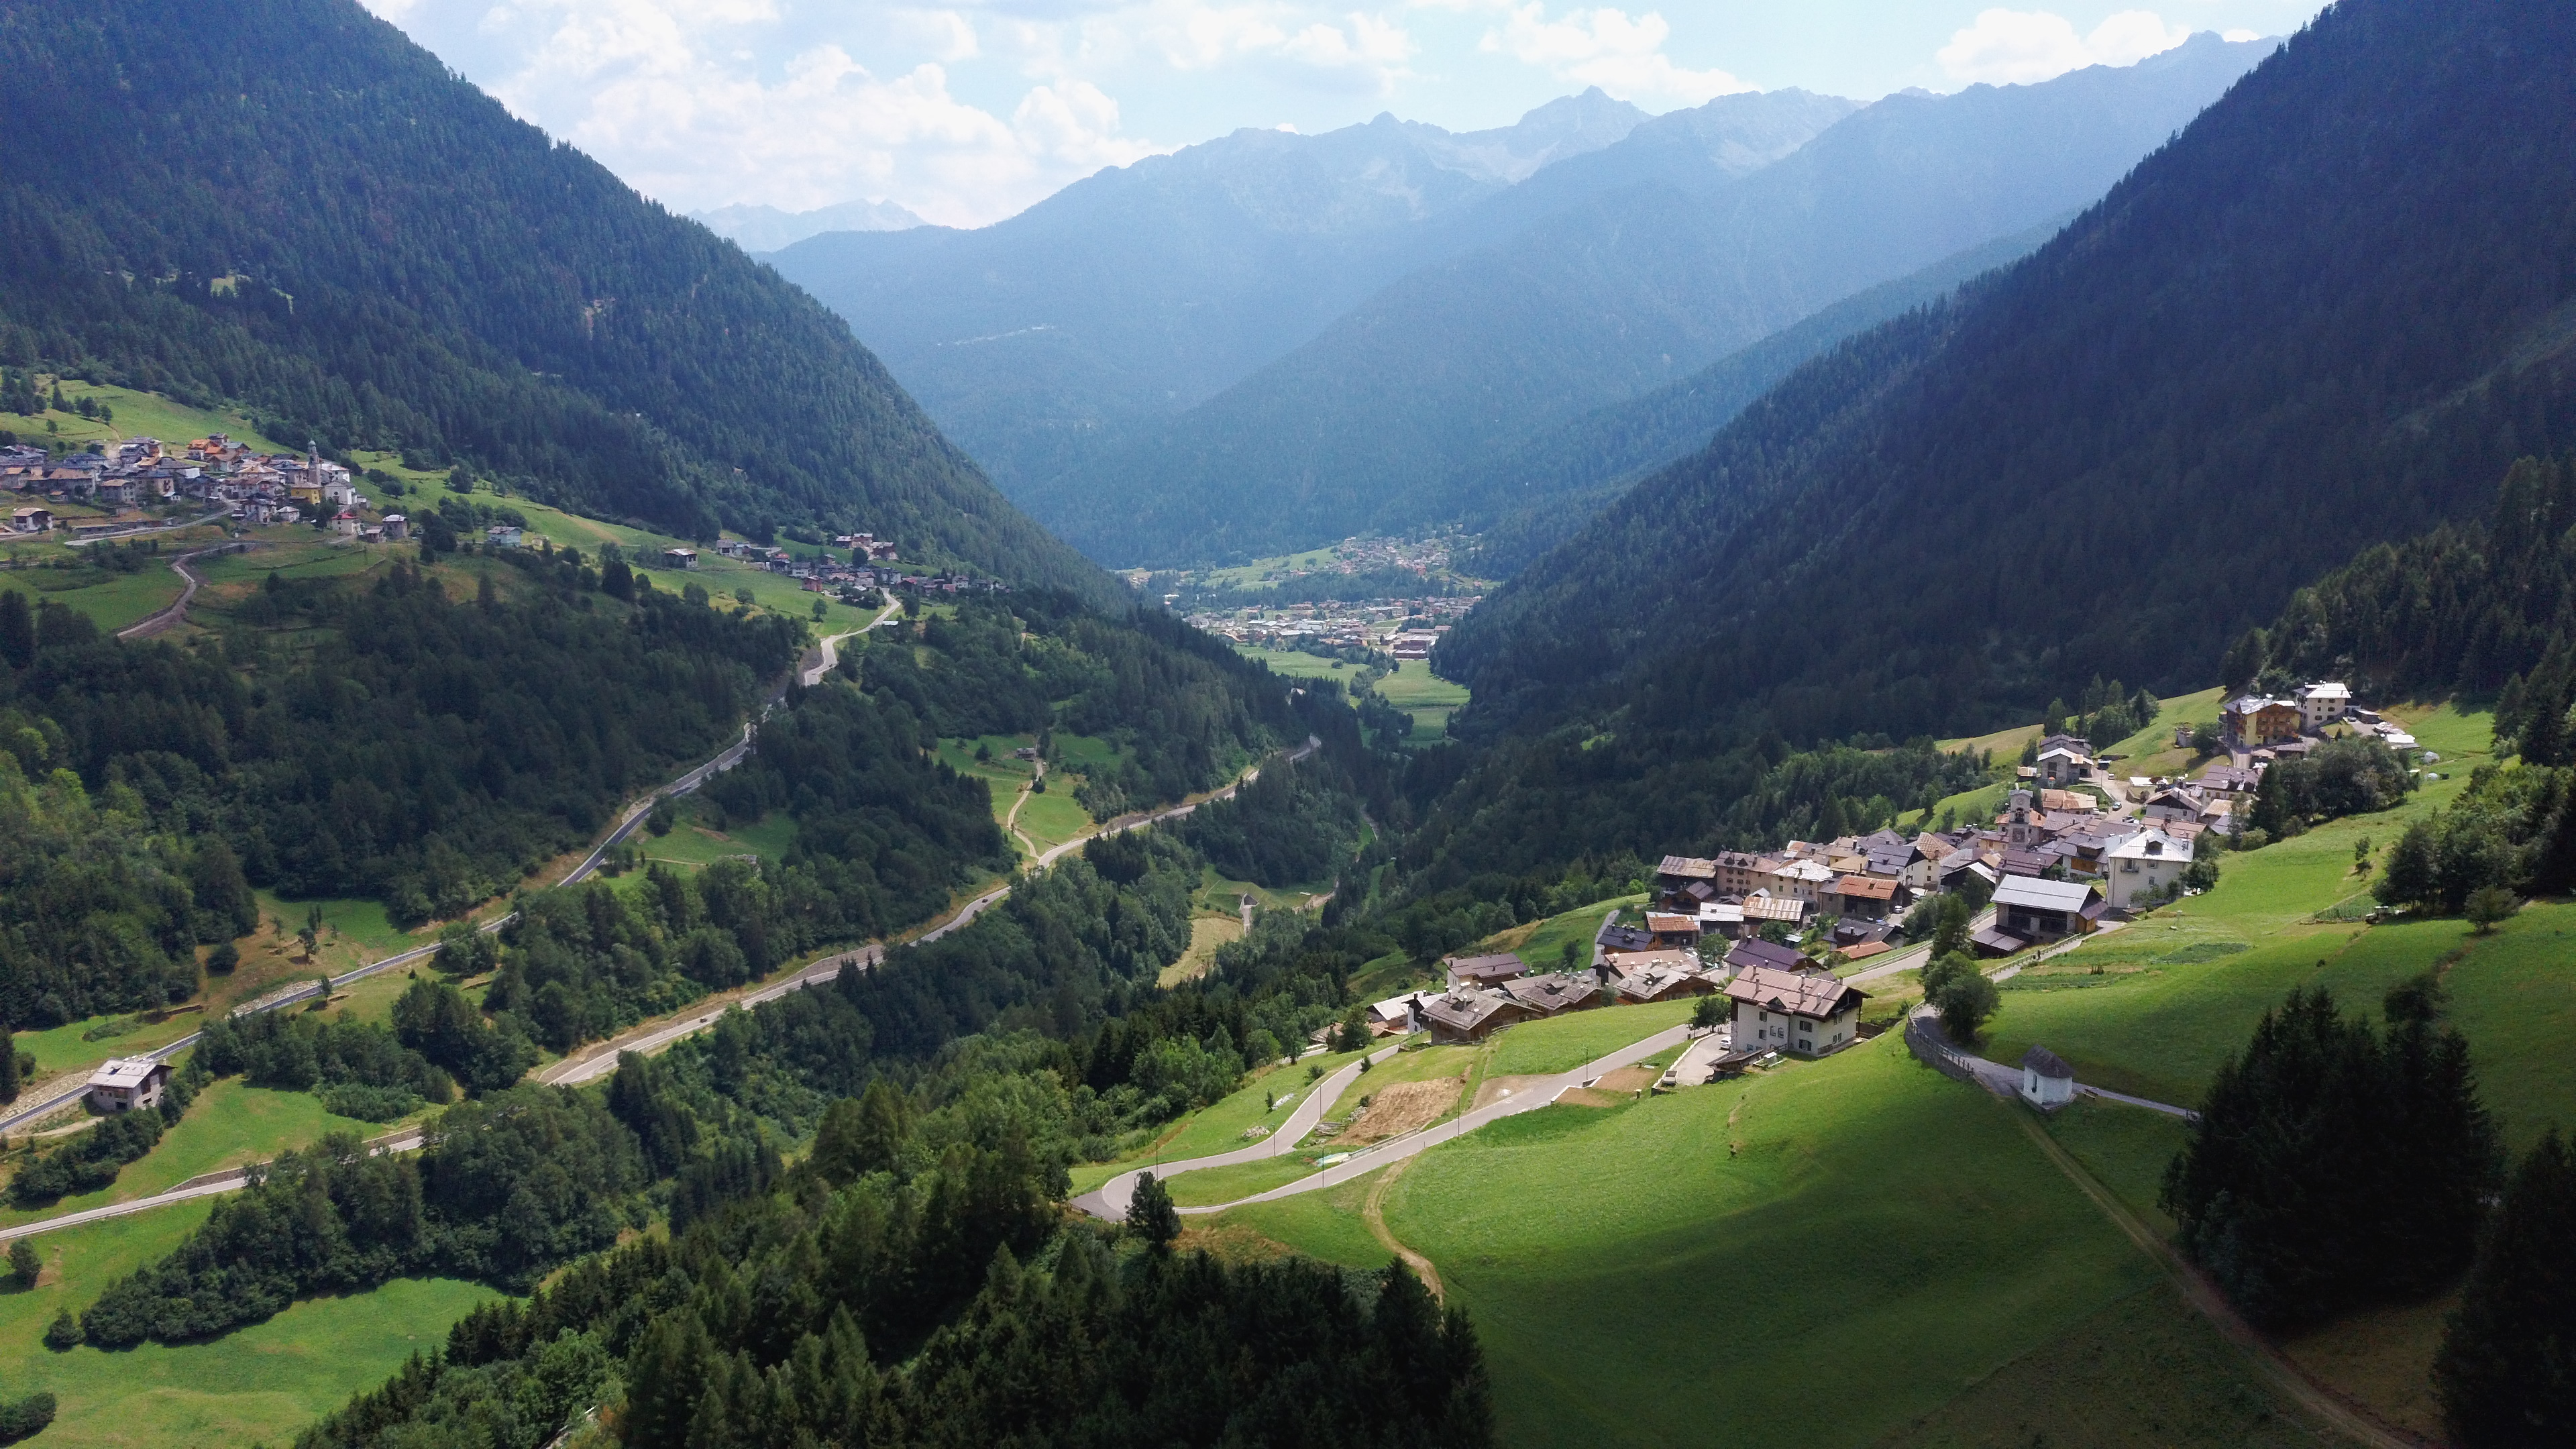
{"x":767,"y":228}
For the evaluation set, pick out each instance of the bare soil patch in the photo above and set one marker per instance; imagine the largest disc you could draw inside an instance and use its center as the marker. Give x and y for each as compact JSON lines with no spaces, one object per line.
{"x":1591,"y":1097}
{"x":1628,"y":1079}
{"x":1404,"y":1107}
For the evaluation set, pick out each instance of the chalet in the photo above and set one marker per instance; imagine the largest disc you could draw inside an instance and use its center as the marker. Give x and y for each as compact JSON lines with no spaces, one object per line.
{"x":2146,"y":864}
{"x":1676,"y":877}
{"x":1962,"y":863}
{"x":1613,"y":938}
{"x":397,"y":526}
{"x":1740,"y":874}
{"x":2060,"y":767}
{"x":1661,"y":976}
{"x":1470,"y":1014}
{"x":1556,"y":992}
{"x":31,"y":520}
{"x":2030,"y":860}
{"x":1867,"y":896}
{"x":679,"y":558}
{"x":2045,"y":910}
{"x":1801,"y":880}
{"x":2174,"y":802}
{"x":1809,"y":1013}
{"x":2321,"y":704}
{"x":1395,"y":1016}
{"x":1484,"y":970}
{"x":1745,"y":955}
{"x":2068,"y":802}
{"x":1722,"y":918}
{"x":2229,"y":780}
{"x":128,"y":1084}
{"x":501,"y":535}
{"x":2076,"y":744}
{"x":1673,"y":930}
{"x":2255,"y":719}
{"x":2047,"y":1082}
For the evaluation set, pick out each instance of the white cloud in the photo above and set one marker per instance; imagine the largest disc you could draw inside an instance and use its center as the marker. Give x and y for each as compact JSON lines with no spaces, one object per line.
{"x":2020,"y":47}
{"x":1606,"y":47}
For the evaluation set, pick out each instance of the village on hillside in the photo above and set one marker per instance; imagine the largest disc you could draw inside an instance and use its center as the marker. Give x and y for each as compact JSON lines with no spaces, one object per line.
{"x":139,"y":484}
{"x":1775,"y":938}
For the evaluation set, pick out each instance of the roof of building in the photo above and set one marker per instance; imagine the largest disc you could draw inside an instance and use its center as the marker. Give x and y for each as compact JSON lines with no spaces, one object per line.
{"x":126,"y":1072}
{"x":1556,"y":991}
{"x":1763,"y":906}
{"x":1664,"y":923}
{"x":1396,"y":1008}
{"x":2325,"y":689}
{"x":1865,"y":887}
{"x":1468,"y":1009}
{"x":2033,"y":894}
{"x":2047,"y":1063}
{"x":2002,"y":943}
{"x":1865,"y":950}
{"x":1615,"y":937}
{"x":1755,"y":951}
{"x":1653,"y":973}
{"x":2152,"y":845}
{"x":1487,"y":968}
{"x":1815,"y":995}
{"x":1688,"y":866}
{"x":1722,"y":913}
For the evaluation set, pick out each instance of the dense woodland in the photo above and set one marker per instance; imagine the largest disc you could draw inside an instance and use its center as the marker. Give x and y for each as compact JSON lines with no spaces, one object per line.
{"x":395,"y":743}
{"x":1913,"y":532}
{"x":363,"y":248}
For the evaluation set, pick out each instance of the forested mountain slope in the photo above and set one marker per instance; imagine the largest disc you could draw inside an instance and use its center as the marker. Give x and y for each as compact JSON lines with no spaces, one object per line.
{"x":1521,"y":495}
{"x":1141,"y":291}
{"x":287,"y":204}
{"x":1626,"y":291}
{"x":2330,"y":312}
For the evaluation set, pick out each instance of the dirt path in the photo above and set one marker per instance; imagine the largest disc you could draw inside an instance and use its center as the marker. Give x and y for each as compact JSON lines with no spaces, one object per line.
{"x":1374,"y":1215}
{"x":1011,"y":822}
{"x":171,"y":617}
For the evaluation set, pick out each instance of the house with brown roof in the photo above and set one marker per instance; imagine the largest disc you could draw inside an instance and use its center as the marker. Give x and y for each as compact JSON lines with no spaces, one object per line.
{"x":1867,"y":896}
{"x":1746,"y":954}
{"x":1808,"y":1013}
{"x":2256,"y":720}
{"x":1672,"y":930}
{"x":1484,"y":970}
{"x":1659,"y":976}
{"x":1556,"y":993}
{"x":1470,"y":1014}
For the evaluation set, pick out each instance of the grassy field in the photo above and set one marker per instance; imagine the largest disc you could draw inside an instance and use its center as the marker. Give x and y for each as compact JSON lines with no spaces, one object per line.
{"x":1426,"y":696}
{"x":1324,"y":1225}
{"x":697,"y":846}
{"x":1860,"y":1216}
{"x":228,"y":1125}
{"x":1538,"y":1047}
{"x":1052,"y":818}
{"x":261,"y":1384}
{"x":1220,"y":1127}
{"x":1294,"y":665}
{"x":1214,"y":1185}
{"x":1207,"y":933}
{"x":1542,"y":943}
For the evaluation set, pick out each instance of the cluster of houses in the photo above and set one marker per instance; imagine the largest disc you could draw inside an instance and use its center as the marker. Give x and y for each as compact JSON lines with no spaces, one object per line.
{"x":215,"y":470}
{"x":1778,"y":999}
{"x":1405,"y":628}
{"x":831,"y":575}
{"x":2076,"y":845}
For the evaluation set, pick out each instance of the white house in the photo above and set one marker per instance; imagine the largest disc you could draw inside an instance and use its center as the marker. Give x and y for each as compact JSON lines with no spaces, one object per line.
{"x":128,"y":1084}
{"x":2321,"y":704}
{"x":2144,"y":864}
{"x":1805,"y":1012}
{"x":2047,"y":1082}
{"x":2060,"y":767}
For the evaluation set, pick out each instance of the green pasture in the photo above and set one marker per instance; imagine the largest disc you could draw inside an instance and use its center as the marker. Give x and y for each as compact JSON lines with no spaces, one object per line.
{"x":1324,"y":1225}
{"x":697,"y":846}
{"x":1269,"y":570}
{"x":1391,"y":1067}
{"x":110,"y":600}
{"x":1543,"y":943}
{"x":1052,"y":818}
{"x":1219,"y":1127}
{"x":1539,"y":1048}
{"x":70,"y":1047}
{"x":138,"y":415}
{"x":2145,"y":1372}
{"x":1210,"y":1186}
{"x":1290,"y":663}
{"x":259,"y":1384}
{"x":1426,"y":696}
{"x":228,"y":1125}
{"x":1873,"y":1221}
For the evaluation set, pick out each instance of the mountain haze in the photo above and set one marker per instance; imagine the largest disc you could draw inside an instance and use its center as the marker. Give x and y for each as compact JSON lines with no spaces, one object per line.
{"x":2329,"y":313}
{"x":1613,"y":293}
{"x":766,"y":228}
{"x":1141,"y":291}
{"x":287,"y":204}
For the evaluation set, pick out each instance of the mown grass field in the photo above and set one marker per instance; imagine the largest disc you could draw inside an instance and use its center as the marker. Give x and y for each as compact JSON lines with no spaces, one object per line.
{"x":1821,"y":1254}
{"x":1543,"y":1047}
{"x":228,"y":1125}
{"x":259,"y":1385}
{"x":1220,"y":1126}
{"x":1426,"y":696}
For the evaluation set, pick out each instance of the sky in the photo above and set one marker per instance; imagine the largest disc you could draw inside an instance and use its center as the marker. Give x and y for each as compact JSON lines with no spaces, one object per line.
{"x":970,"y":111}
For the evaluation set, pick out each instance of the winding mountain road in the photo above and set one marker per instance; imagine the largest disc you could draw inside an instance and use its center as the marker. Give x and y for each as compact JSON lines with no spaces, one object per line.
{"x":170,"y":617}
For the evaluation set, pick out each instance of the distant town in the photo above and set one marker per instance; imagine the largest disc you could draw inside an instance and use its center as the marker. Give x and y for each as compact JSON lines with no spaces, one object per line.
{"x":1348,"y":597}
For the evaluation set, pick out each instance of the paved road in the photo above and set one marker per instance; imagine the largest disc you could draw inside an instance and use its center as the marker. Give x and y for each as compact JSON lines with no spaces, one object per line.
{"x":169,"y":618}
{"x":213,"y":1184}
{"x":1111,"y":1199}
{"x":218,"y":516}
{"x":1913,"y":957}
{"x":819,"y":660}
{"x":1103,"y":1205}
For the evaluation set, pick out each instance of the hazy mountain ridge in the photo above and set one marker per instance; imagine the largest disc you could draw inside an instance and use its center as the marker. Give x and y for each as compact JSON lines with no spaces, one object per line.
{"x":2304,"y":326}
{"x":1614,"y":293}
{"x":1142,"y":291}
{"x":766,"y":228}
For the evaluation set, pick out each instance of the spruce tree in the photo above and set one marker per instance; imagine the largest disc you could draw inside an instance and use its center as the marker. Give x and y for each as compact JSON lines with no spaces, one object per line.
{"x":1151,"y":1216}
{"x":2506,"y":1373}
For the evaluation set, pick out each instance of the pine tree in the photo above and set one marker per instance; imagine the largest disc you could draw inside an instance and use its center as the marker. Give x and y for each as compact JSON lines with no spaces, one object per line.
{"x":2506,"y":1372}
{"x":1151,"y":1216}
{"x":17,"y":630}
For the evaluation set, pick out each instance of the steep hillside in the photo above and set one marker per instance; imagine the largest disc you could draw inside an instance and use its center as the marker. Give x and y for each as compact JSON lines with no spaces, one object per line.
{"x":1141,"y":291}
{"x":766,"y":228}
{"x":287,"y":204}
{"x":1629,"y":290}
{"x":2330,"y":312}
{"x":1523,"y":494}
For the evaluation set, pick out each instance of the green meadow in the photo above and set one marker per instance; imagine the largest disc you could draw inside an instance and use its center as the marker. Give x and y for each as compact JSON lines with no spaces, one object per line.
{"x":260,"y":1384}
{"x":228,"y":1125}
{"x":1426,"y":696}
